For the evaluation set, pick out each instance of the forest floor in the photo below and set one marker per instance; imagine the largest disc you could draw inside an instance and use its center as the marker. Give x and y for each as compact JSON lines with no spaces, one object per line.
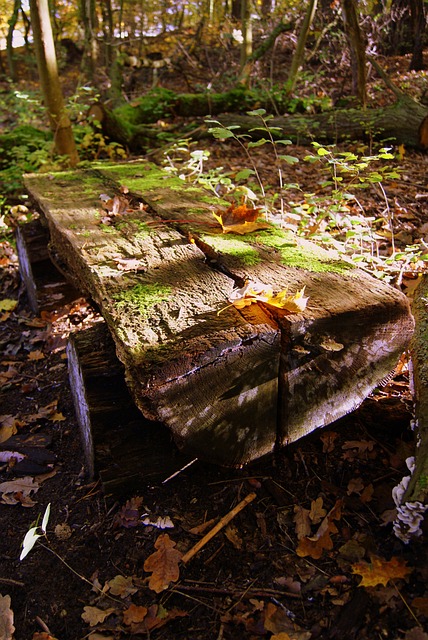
{"x":252,"y":580}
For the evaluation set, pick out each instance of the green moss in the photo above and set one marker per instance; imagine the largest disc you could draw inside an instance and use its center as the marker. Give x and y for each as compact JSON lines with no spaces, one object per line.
{"x":301,"y":257}
{"x":233,"y":245}
{"x":142,"y":297}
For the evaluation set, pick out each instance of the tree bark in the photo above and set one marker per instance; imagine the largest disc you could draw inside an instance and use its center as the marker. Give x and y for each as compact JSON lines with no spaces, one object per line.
{"x":9,"y":40}
{"x":417,"y":10}
{"x":49,"y":79}
{"x":357,"y":49}
{"x":300,"y":47}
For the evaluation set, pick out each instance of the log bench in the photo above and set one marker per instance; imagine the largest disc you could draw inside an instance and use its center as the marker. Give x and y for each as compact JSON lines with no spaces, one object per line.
{"x":229,"y":386}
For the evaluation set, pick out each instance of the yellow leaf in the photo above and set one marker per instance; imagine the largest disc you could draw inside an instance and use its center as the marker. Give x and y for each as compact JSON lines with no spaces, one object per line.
{"x":8,"y":305}
{"x":256,"y":292}
{"x":295,"y":303}
{"x":380,"y":571}
{"x":163,"y":564}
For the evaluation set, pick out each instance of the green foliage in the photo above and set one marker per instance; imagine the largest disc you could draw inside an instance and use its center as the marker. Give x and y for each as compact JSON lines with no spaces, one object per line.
{"x":23,"y":150}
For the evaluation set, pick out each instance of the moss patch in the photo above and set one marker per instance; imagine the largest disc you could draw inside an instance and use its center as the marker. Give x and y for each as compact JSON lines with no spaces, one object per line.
{"x":293,"y":255}
{"x":142,"y":297}
{"x":234,"y":245}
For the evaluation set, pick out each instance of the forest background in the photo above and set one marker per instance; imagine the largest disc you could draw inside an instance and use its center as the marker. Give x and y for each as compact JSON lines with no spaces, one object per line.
{"x":138,"y":79}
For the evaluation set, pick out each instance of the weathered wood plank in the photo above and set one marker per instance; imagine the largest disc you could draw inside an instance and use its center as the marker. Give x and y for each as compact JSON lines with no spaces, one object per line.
{"x":349,"y":337}
{"x":163,"y":317}
{"x":218,"y":380}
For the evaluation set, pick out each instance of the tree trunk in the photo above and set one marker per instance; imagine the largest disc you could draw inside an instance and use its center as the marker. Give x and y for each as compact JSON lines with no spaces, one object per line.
{"x":247,"y":32}
{"x":401,"y":122}
{"x":357,"y":49}
{"x":9,"y":40}
{"x":266,"y":45}
{"x":300,"y":47}
{"x":417,"y":10}
{"x":49,"y":79}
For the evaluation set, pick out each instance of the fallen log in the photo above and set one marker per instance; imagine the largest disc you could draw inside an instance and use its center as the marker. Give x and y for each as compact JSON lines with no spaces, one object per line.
{"x":229,"y":386}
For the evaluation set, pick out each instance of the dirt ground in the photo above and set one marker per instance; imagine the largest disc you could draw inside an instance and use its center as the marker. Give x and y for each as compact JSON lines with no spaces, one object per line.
{"x":252,"y":580}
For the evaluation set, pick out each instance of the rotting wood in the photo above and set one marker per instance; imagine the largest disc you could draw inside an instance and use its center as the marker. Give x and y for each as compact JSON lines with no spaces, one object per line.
{"x":120,"y":445}
{"x":217,"y":380}
{"x":39,"y":275}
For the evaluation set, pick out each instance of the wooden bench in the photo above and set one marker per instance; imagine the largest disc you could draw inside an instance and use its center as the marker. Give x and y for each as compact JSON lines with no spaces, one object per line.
{"x":229,"y":386}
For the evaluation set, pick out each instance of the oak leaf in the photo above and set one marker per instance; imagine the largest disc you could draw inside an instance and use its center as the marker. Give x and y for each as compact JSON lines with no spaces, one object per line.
{"x":94,"y":615}
{"x":36,"y":355}
{"x":163,"y":564}
{"x":6,"y":619}
{"x":317,"y":512}
{"x":122,"y":586}
{"x":301,"y":518}
{"x":240,"y":219}
{"x":314,"y":546}
{"x":134,"y":614}
{"x":380,"y":571}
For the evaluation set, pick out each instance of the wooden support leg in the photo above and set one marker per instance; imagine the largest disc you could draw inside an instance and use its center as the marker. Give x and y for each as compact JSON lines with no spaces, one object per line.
{"x":124,"y":448}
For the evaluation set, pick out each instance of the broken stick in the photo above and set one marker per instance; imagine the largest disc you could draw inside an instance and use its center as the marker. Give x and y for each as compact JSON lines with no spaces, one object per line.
{"x":220,"y":524}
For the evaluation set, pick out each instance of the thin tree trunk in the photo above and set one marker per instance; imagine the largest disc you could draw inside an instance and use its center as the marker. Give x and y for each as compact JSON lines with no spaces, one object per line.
{"x":9,"y":40}
{"x":49,"y":80}
{"x":419,"y":25}
{"x":247,"y":32}
{"x":300,"y":49}
{"x":357,"y":50}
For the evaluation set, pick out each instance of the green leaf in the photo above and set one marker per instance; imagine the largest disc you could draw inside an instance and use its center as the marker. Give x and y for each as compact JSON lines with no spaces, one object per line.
{"x":323,"y":152}
{"x":29,"y":541}
{"x":290,"y":159}
{"x":258,"y":143}
{"x":220,"y":133}
{"x":244,"y":174}
{"x":256,"y":112}
{"x":286,"y":142}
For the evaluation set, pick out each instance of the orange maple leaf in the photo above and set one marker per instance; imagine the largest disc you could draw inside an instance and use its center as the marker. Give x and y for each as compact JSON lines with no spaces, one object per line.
{"x":240,"y":219}
{"x":257,"y":292}
{"x":163,"y":564}
{"x":380,"y":571}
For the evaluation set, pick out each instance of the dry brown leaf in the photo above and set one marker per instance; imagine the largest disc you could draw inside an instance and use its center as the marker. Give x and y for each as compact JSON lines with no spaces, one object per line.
{"x":16,"y":491}
{"x":256,"y":292}
{"x":122,"y":586}
{"x":328,"y":438}
{"x":367,"y":494}
{"x":8,"y":427}
{"x":380,"y":571}
{"x":240,"y":219}
{"x":134,"y":614}
{"x":7,"y":628}
{"x":278,"y":622}
{"x":317,"y":512}
{"x":355,"y":485}
{"x":163,"y":564}
{"x":301,"y":518}
{"x":421,"y":604}
{"x":36,"y":355}
{"x":94,"y":615}
{"x":231,"y":533}
{"x":314,"y":546}
{"x":200,"y":528}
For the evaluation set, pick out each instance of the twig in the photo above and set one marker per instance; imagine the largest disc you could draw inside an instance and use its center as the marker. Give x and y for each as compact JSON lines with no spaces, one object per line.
{"x":220,"y":524}
{"x":179,"y":471}
{"x":235,"y":593}
{"x":13,"y":583}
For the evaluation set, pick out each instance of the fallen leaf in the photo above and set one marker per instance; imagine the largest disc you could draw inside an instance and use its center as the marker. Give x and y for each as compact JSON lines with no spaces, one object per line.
{"x":328,"y":439}
{"x":231,"y":533}
{"x":317,"y":512}
{"x":278,"y":621}
{"x":36,"y":355}
{"x":8,"y":304}
{"x":380,"y":571}
{"x":134,"y":614}
{"x":94,"y":615}
{"x":367,"y":494}
{"x":256,"y":292}
{"x":7,"y":628}
{"x":16,"y":491}
{"x":129,"y":515}
{"x":301,"y":518}
{"x":122,"y":586}
{"x":240,"y":219}
{"x":8,"y":427}
{"x":355,"y":485}
{"x":200,"y":528}
{"x":314,"y":546}
{"x":417,"y":633}
{"x":163,"y":564}
{"x":421,"y":604}
{"x":42,"y":635}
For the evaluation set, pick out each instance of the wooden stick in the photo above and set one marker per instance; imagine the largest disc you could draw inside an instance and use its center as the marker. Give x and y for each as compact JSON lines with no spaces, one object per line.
{"x":220,"y":524}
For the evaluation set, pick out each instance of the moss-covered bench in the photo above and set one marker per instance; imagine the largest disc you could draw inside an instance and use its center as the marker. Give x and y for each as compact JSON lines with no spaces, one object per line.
{"x":231,"y":385}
